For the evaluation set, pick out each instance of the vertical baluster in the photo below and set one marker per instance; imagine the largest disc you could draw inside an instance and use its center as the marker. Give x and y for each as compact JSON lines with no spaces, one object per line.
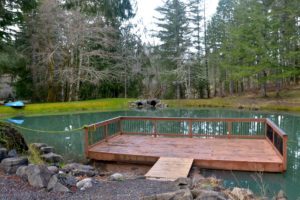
{"x":229,"y":126}
{"x":190,"y":128}
{"x":105,"y":132}
{"x":155,"y":128}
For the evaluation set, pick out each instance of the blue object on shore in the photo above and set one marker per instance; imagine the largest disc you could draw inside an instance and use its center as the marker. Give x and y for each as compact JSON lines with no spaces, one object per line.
{"x":15,"y":104}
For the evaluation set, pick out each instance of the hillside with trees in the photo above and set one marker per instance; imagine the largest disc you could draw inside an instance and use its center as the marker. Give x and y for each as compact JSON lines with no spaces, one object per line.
{"x":76,"y":50}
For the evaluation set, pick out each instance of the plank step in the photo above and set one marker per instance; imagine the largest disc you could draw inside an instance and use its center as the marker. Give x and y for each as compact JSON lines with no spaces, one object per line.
{"x":170,"y":168}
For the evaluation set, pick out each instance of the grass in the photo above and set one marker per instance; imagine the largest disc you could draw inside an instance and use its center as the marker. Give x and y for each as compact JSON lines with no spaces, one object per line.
{"x":289,"y":100}
{"x":64,"y":107}
{"x":34,"y":156}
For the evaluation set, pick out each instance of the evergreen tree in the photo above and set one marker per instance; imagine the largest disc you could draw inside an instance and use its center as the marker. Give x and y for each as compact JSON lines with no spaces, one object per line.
{"x":173,"y":32}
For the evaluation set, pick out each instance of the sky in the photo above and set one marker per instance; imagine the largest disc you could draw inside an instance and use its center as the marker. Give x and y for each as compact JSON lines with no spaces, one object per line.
{"x":146,"y":12}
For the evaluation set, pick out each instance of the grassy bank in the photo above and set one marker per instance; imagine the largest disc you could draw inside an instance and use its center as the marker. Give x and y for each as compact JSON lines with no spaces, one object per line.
{"x":64,"y":107}
{"x":287,"y":101}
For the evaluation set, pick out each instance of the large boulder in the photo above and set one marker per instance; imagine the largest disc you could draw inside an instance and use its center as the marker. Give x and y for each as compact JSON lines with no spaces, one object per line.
{"x":38,"y":175}
{"x":67,"y":180}
{"x":53,"y":169}
{"x":21,"y":172}
{"x":52,"y":157}
{"x":10,"y":138}
{"x":177,"y":195}
{"x":77,"y":169}
{"x":55,"y":185}
{"x":10,"y":165}
{"x":3,"y":153}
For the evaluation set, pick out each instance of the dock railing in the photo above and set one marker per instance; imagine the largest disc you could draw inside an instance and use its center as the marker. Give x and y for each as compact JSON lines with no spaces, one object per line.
{"x":251,"y":128}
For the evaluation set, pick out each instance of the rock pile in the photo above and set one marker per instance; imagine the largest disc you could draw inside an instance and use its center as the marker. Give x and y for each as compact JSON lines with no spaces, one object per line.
{"x":52,"y":178}
{"x":58,"y":180}
{"x":148,"y":103}
{"x":47,"y":153}
{"x":208,"y":189}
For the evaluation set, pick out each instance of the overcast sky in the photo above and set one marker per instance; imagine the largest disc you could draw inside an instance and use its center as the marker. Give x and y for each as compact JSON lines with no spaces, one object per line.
{"x":146,"y":11}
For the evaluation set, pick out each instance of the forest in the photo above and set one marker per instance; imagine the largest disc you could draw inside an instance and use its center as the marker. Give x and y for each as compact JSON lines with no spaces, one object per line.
{"x":71,"y":50}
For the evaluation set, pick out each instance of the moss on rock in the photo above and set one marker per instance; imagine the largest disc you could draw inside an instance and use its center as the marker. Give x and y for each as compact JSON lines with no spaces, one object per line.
{"x":11,"y":138}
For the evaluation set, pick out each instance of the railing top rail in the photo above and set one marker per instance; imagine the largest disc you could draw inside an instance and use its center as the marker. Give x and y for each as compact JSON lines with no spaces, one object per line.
{"x":105,"y":122}
{"x":276,"y":128}
{"x":194,"y":119}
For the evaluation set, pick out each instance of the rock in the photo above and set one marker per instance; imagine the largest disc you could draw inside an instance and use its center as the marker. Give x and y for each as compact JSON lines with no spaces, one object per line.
{"x":67,"y":180}
{"x":117,"y":177}
{"x":12,"y":138}
{"x":242,"y":193}
{"x":52,"y":158}
{"x":56,"y":186}
{"x":53,"y":169}
{"x":199,"y":194}
{"x":47,"y":149}
{"x":21,"y":172}
{"x":281,"y":196}
{"x":38,"y":175}
{"x":210,"y":183}
{"x":3,"y":153}
{"x":183,"y":183}
{"x":77,"y":169}
{"x":177,"y":195}
{"x":38,"y":146}
{"x":12,"y":153}
{"x":10,"y":165}
{"x":84,"y":184}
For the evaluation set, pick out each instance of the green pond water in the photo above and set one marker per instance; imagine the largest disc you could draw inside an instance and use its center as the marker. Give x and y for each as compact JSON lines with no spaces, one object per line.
{"x":71,"y":145}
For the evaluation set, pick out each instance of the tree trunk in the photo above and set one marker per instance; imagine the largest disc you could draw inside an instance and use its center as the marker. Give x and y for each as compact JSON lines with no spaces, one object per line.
{"x":177,"y":90}
{"x":264,"y":85}
{"x":78,"y":78}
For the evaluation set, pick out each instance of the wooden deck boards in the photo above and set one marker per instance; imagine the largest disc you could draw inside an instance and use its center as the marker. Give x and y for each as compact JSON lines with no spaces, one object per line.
{"x":215,"y":153}
{"x":170,"y":169}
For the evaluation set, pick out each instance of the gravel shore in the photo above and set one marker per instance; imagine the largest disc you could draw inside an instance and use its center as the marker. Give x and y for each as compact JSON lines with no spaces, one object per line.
{"x":14,"y":188}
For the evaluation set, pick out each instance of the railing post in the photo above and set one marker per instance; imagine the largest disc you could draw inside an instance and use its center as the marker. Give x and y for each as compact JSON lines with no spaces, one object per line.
{"x":266,"y":127}
{"x":229,"y":125}
{"x":284,"y":152}
{"x":190,"y":128}
{"x":86,"y":141}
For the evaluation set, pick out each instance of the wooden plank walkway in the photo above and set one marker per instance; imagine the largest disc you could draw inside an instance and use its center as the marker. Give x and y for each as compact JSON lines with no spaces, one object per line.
{"x":168,"y":168}
{"x":214,"y":153}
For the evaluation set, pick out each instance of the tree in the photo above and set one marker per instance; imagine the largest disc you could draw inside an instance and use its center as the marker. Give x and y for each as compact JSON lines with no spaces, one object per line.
{"x":173,"y":32}
{"x":197,"y":72}
{"x":67,"y":49}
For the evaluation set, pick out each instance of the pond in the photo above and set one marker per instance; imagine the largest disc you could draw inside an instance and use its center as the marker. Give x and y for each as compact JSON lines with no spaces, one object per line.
{"x":70,"y":143}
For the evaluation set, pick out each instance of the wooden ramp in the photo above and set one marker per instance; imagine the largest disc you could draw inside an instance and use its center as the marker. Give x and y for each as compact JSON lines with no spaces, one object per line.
{"x":170,"y":168}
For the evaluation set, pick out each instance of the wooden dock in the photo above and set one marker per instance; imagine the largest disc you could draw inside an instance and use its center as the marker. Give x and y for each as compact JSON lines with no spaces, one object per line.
{"x":225,"y":146}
